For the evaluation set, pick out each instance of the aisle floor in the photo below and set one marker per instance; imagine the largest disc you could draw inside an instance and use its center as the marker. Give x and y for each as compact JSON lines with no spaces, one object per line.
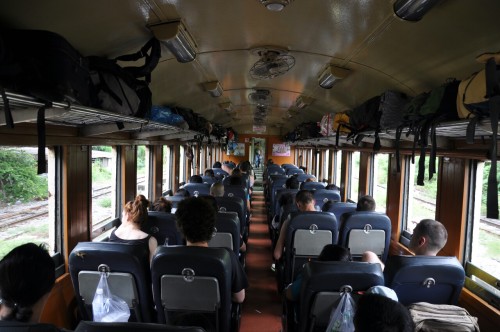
{"x":262,"y":308}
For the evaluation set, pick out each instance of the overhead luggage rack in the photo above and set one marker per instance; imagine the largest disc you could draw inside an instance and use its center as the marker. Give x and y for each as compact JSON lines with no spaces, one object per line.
{"x":89,"y":120}
{"x":452,"y":129}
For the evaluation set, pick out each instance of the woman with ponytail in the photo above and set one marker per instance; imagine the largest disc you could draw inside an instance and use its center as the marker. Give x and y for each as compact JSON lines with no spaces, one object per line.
{"x":27,"y":275}
{"x":134,"y":214}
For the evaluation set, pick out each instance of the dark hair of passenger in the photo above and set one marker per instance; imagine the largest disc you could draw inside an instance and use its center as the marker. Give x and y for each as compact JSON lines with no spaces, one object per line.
{"x":162,"y":205}
{"x":366,"y":203}
{"x":195,"y":179}
{"x":211,"y":199}
{"x":196,"y":219}
{"x":209,"y":172}
{"x":335,"y":253}
{"x":182,"y":192}
{"x":292,"y":183}
{"x":217,"y":164}
{"x":328,"y":205}
{"x":27,"y":273}
{"x":434,"y":231}
{"x":236,"y":172}
{"x":331,"y":186}
{"x":377,"y":313}
{"x":137,"y":210}
{"x":245,"y":166}
{"x":235,"y":180}
{"x":304,"y":196}
{"x":303,"y":168}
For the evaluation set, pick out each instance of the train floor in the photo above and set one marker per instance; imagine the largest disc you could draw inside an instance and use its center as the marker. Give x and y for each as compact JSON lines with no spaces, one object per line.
{"x":262,"y":307}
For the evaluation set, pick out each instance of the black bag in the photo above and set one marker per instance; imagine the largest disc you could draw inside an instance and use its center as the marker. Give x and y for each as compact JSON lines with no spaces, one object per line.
{"x":118,"y":89}
{"x":391,"y":109}
{"x":44,"y":65}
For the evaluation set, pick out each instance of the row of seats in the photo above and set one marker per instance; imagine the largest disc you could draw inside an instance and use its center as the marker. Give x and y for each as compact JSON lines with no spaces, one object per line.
{"x":309,"y":232}
{"x":182,"y":279}
{"x":437,"y":280}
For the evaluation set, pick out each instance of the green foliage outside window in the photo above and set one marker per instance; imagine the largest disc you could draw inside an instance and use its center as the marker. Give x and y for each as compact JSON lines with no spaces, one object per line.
{"x":18,"y":178}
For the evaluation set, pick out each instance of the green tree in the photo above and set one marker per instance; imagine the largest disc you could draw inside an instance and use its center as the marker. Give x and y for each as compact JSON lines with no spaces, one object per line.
{"x":18,"y":178}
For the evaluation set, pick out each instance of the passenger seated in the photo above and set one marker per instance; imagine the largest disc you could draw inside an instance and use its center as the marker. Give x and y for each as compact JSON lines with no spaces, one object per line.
{"x":366,"y":203}
{"x":378,"y":313}
{"x":182,"y":192}
{"x":195,"y":179}
{"x":27,"y":275}
{"x":134,"y":214}
{"x":217,"y":189}
{"x":330,"y":253}
{"x":429,"y":237}
{"x":162,"y":205}
{"x":196,"y":221}
{"x":305,"y":202}
{"x":209,"y":172}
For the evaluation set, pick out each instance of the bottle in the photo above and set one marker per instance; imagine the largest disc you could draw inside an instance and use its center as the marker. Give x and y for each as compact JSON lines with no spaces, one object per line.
{"x":98,"y":305}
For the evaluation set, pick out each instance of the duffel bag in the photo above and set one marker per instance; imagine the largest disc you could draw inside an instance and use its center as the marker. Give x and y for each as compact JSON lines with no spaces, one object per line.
{"x":391,"y":109}
{"x":442,"y":317}
{"x":44,"y":65}
{"x":120,"y":90}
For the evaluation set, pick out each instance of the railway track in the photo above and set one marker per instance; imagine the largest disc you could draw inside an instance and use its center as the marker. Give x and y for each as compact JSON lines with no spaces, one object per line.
{"x":13,"y":218}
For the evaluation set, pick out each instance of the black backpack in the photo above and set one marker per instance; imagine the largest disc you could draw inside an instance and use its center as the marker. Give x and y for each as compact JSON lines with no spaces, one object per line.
{"x":118,"y":89}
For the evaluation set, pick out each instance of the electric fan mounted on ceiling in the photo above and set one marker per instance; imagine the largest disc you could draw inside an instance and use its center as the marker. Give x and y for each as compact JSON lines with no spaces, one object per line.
{"x":273,"y":63}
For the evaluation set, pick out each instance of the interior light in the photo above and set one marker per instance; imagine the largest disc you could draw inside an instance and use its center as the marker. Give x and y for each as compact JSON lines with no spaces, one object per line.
{"x":275,"y":5}
{"x":177,"y":39}
{"x":330,"y":75}
{"x":214,"y":88}
{"x":413,"y":10}
{"x":303,"y":101}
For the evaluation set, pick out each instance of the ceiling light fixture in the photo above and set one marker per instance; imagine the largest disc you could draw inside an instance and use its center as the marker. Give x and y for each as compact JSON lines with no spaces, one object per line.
{"x":177,"y":39}
{"x":214,"y":88}
{"x":275,"y":5}
{"x":330,"y":75}
{"x":413,"y":10}
{"x":303,"y":101}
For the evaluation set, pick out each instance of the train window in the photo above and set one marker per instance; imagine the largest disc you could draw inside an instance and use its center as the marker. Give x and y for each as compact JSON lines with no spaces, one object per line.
{"x":420,"y":201}
{"x":104,"y":163}
{"x":182,"y":164}
{"x":337,"y":157}
{"x":354,"y":176}
{"x":326,"y":166}
{"x":380,"y":172}
{"x":485,"y":247}
{"x":142,"y":170}
{"x":26,"y":207}
{"x":167,"y":167}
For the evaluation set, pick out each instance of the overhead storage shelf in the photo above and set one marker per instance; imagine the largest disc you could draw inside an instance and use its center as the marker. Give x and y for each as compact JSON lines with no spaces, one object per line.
{"x":90,"y":121}
{"x":453,"y":130}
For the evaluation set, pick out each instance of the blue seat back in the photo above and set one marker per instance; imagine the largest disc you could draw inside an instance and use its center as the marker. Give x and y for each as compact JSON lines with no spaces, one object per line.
{"x":174,"y":200}
{"x":227,"y":223}
{"x":233,"y":204}
{"x":190,"y":267}
{"x":208,"y":179}
{"x":322,"y":283}
{"x":197,"y":189}
{"x":361,"y":231}
{"x":219,"y":172}
{"x":433,"y":279}
{"x":292,"y":171}
{"x":323,"y":195}
{"x":163,"y":226}
{"x":129,"y":262}
{"x":302,"y":177}
{"x":312,"y":185}
{"x":339,"y":208}
{"x":306,"y":235}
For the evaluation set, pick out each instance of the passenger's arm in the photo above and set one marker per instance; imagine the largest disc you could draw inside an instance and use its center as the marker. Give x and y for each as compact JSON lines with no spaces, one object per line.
{"x":278,"y":250}
{"x":238,"y":297}
{"x":153,"y":244}
{"x":371,"y":257}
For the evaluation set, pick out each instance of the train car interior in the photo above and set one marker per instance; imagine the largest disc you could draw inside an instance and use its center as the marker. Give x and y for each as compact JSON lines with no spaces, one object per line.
{"x":253,"y":102}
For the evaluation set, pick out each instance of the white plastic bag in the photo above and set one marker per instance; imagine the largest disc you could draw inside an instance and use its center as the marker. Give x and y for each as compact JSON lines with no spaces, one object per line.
{"x":107,"y":307}
{"x":342,"y":316}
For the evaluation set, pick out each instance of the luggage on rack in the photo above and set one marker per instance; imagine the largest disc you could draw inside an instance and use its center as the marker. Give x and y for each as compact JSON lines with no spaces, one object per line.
{"x":119,"y":89}
{"x":44,"y":65}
